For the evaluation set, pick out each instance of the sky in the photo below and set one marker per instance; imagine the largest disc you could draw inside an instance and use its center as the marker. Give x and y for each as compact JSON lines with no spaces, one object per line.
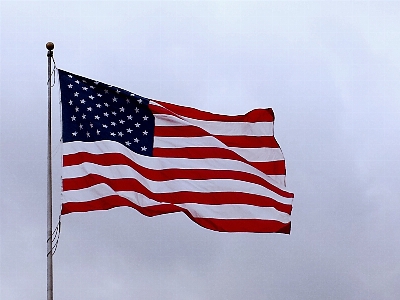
{"x":329,"y":69}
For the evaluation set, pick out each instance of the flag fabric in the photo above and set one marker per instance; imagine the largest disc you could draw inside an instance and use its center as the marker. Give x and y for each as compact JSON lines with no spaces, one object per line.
{"x":226,"y":173}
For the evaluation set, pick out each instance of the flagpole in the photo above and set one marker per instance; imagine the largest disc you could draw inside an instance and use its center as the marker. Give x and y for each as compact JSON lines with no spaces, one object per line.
{"x":50,"y":47}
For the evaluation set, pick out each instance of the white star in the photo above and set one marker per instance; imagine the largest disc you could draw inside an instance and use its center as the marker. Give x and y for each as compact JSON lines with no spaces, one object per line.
{"x":70,"y":102}
{"x":83,"y":101}
{"x":91,"y":125}
{"x":114,"y":99}
{"x":137,"y":124}
{"x":113,"y":123}
{"x":77,"y":81}
{"x":127,"y":143}
{"x":77,"y":109}
{"x":145,"y":132}
{"x":84,"y":88}
{"x":136,"y":140}
{"x":76,"y":94}
{"x":112,"y":133}
{"x":98,"y":132}
{"x":129,"y":130}
{"x":73,"y":118}
{"x":98,"y":105}
{"x":120,"y":134}
{"x":105,"y":126}
{"x":118,"y":91}
{"x":136,"y":109}
{"x":129,"y":117}
{"x":80,"y":126}
{"x":89,"y":109}
{"x":84,"y":81}
{"x":106,"y":91}
{"x":106,"y":114}
{"x":121,"y":121}
{"x":96,"y":82}
{"x":70,"y":86}
{"x":99,"y":95}
{"x":144,"y":148}
{"x":114,"y":113}
{"x":106,"y":104}
{"x":83,"y":116}
{"x":122,"y":109}
{"x":87,"y":134}
{"x":91,"y":97}
{"x":132,"y":95}
{"x":70,"y":76}
{"x":140,"y":101}
{"x":145,"y":118}
{"x":128,"y":101}
{"x":92,"y":87}
{"x":97,"y":117}
{"x":74,"y":133}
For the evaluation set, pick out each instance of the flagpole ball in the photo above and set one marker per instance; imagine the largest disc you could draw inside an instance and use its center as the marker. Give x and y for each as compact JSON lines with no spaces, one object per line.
{"x":50,"y":46}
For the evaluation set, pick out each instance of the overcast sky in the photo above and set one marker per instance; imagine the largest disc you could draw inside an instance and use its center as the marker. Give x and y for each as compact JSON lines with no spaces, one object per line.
{"x":331,"y":72}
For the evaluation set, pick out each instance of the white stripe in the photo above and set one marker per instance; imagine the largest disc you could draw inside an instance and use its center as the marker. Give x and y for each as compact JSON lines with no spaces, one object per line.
{"x":261,"y":154}
{"x":156,"y":163}
{"x":225,"y":211}
{"x":218,"y":128}
{"x":278,"y":178}
{"x":170,"y":186}
{"x":103,"y":190}
{"x":235,"y":211}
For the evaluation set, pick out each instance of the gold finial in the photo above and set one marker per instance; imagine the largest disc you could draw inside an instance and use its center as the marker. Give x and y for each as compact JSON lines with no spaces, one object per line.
{"x":50,"y":46}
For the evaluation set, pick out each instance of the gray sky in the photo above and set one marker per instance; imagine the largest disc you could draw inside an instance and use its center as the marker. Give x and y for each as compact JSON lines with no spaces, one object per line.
{"x":330,"y":70}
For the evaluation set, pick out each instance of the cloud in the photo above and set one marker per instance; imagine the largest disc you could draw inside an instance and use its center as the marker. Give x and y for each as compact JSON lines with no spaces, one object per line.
{"x":329,"y":71}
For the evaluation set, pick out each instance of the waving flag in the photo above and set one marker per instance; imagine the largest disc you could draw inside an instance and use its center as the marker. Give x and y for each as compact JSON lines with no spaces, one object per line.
{"x":226,"y":173}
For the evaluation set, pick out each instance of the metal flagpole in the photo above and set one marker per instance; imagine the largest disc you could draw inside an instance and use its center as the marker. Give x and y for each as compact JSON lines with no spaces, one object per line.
{"x":50,"y":47}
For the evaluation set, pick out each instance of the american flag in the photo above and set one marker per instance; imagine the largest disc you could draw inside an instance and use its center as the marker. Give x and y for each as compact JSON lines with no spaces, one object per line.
{"x":226,"y":173}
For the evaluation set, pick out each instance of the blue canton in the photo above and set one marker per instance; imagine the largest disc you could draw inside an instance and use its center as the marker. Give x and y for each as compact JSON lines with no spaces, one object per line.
{"x":94,"y":111}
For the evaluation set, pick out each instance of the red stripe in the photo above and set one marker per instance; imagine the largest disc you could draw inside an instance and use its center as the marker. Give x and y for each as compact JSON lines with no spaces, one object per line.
{"x":180,"y":131}
{"x":269,"y":168}
{"x":108,"y":159}
{"x":244,"y":225}
{"x":256,"y":115}
{"x":109,"y":202}
{"x":231,"y":225}
{"x":249,"y":141}
{"x":230,"y":141}
{"x":133,"y":185}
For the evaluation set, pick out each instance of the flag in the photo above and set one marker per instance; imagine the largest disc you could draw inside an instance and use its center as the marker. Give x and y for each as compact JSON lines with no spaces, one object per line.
{"x":226,"y":173}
